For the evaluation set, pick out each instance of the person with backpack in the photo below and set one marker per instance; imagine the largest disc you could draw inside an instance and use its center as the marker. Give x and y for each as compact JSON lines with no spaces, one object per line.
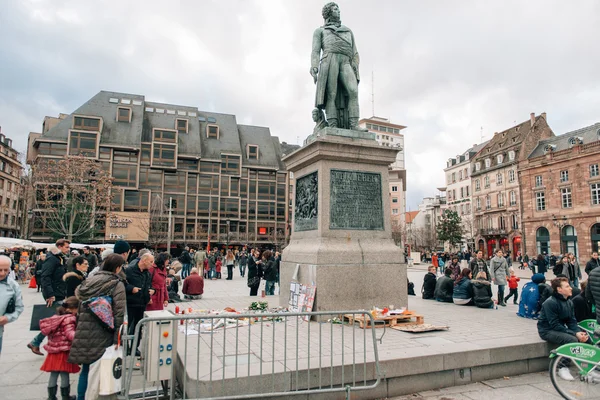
{"x":530,"y":296}
{"x":11,"y":300}
{"x":500,"y":275}
{"x":92,"y":336}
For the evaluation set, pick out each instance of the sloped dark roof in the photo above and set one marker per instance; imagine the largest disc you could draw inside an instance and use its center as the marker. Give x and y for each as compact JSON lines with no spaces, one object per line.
{"x":587,"y":135}
{"x":233,"y":138}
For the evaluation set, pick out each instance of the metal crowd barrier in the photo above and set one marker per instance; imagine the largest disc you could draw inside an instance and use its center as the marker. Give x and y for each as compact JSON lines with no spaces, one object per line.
{"x":252,"y":355}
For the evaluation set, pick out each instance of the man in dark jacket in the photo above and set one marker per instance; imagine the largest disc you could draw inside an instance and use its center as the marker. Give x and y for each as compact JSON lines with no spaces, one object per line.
{"x":444,"y":287}
{"x":90,"y":257}
{"x":478,"y":265}
{"x":54,"y":288}
{"x":592,"y":264}
{"x":428,"y":288}
{"x":138,"y":289}
{"x":557,"y":323}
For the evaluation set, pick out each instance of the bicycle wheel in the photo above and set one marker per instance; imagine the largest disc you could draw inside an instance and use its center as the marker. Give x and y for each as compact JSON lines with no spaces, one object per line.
{"x":580,"y":388}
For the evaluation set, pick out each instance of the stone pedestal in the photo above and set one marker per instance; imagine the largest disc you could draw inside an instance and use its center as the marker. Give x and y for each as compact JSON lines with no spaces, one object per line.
{"x":341,"y":227}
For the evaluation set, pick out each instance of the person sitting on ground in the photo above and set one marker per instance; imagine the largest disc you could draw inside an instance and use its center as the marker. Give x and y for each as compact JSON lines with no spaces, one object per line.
{"x":428,"y":288}
{"x":173,"y":287}
{"x":544,"y":289}
{"x":410,"y":287}
{"x":444,"y":287}
{"x":482,"y":291}
{"x":463,"y":290}
{"x":557,"y":323}
{"x":193,"y":285}
{"x":583,"y":309}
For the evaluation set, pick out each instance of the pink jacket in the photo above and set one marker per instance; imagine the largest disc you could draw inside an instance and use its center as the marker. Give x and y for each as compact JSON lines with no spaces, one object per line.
{"x":159,"y":284}
{"x":60,"y":330}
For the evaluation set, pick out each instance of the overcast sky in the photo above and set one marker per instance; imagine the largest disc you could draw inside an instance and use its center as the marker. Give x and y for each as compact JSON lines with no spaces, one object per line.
{"x":445,"y":68}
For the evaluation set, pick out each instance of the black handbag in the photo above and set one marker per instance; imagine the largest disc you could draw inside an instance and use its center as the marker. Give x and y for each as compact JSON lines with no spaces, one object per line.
{"x":41,"y":311}
{"x":11,"y":307}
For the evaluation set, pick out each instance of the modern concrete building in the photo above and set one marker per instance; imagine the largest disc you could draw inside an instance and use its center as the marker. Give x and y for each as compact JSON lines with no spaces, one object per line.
{"x":422,"y":224}
{"x":459,"y":192}
{"x":226,"y":180}
{"x":388,"y":134}
{"x":495,"y":187}
{"x":560,"y":192}
{"x":11,"y":206}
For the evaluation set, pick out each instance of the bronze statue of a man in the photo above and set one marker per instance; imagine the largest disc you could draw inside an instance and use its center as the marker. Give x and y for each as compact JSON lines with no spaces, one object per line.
{"x":334,"y":67}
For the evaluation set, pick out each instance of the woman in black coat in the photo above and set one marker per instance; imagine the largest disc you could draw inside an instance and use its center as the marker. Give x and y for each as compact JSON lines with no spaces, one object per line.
{"x":254,"y":272}
{"x":542,"y":264}
{"x":583,"y":309}
{"x":429,"y":281}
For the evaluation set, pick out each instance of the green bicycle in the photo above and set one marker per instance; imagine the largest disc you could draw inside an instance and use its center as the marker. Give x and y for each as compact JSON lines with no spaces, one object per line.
{"x":582,"y":360}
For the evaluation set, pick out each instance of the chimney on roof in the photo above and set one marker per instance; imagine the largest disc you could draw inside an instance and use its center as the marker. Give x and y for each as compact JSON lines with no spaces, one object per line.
{"x":544,"y":115}
{"x":532,"y":118}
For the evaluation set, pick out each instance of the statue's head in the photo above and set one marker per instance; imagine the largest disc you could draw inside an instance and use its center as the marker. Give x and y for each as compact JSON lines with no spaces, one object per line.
{"x":316,"y":113}
{"x":331,"y":11}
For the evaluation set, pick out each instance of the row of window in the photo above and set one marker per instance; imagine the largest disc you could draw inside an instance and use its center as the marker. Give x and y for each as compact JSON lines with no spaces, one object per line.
{"x":566,"y":197}
{"x":462,"y":174}
{"x":464,"y":192}
{"x":488,"y":222}
{"x":463,"y":209}
{"x":382,"y":128}
{"x":499,"y":160}
{"x":9,"y":186}
{"x":500,"y":200}
{"x":564,"y":175}
{"x":499,"y":180}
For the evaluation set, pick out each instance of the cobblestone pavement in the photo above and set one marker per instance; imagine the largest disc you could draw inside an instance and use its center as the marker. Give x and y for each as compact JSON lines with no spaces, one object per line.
{"x":469,"y":328}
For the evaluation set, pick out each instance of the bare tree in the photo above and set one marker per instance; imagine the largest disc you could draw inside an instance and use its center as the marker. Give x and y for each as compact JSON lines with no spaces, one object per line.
{"x":72,"y":192}
{"x":156,"y":226}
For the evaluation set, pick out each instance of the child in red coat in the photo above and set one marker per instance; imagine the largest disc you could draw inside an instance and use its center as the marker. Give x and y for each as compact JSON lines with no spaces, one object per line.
{"x":60,"y":330}
{"x":513,"y":286}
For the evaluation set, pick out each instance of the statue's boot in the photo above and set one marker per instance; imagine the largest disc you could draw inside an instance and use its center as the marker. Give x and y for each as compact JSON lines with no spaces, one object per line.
{"x":332,"y":122}
{"x":354,"y":125}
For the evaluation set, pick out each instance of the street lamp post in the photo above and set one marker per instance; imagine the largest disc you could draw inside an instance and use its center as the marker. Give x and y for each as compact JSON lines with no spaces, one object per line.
{"x":560,"y":223}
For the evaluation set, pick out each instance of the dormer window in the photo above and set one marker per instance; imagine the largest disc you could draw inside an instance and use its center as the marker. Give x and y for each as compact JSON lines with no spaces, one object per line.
{"x":124,"y":114}
{"x":488,"y":162}
{"x":164,"y":135}
{"x":511,"y":155}
{"x":477,"y":166}
{"x":252,"y":152}
{"x":500,"y":158}
{"x":549,"y":148}
{"x":575,"y":141}
{"x":182,"y":125}
{"x":88,"y":124}
{"x":212,"y":131}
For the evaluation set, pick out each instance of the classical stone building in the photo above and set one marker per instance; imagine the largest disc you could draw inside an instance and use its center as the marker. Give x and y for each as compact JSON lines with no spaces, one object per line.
{"x":495,"y":185}
{"x":560,"y":192}
{"x":226,"y":180}
{"x":389,"y":135}
{"x":458,"y":191}
{"x":11,"y":206}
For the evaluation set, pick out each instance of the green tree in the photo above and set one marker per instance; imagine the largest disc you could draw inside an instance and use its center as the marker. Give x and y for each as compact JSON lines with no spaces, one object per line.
{"x":450,"y":228}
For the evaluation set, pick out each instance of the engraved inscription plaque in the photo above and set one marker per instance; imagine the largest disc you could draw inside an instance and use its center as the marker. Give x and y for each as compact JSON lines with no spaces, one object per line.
{"x":355,"y":200}
{"x":307,"y":203}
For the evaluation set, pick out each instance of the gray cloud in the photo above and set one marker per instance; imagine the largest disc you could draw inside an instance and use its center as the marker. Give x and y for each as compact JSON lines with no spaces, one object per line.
{"x":443,"y":68}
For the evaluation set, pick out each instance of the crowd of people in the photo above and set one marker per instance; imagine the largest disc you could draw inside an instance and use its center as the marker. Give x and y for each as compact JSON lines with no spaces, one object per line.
{"x":136,"y":281}
{"x":558,"y":306}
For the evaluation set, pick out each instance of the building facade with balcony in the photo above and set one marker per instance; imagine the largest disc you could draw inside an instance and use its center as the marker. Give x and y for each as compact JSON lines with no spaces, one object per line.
{"x":224,"y":181}
{"x":458,"y":191}
{"x":388,"y":134}
{"x":11,"y":205}
{"x":560,"y":189}
{"x":495,"y":185}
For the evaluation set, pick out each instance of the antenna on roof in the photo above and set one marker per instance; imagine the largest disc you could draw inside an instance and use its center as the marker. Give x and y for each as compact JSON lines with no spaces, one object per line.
{"x":373,"y":92}
{"x":481,"y":134}
{"x":298,"y":140}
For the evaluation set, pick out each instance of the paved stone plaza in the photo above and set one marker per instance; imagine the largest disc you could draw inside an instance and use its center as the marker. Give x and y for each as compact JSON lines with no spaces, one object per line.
{"x":490,"y":331}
